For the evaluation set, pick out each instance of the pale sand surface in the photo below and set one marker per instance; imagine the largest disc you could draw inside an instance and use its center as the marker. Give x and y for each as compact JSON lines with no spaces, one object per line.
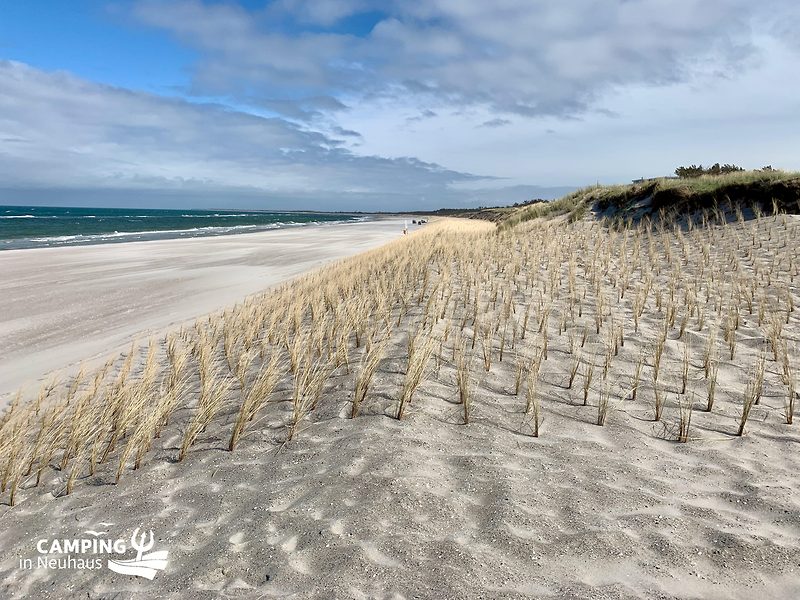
{"x":428,"y":507}
{"x":60,"y":306}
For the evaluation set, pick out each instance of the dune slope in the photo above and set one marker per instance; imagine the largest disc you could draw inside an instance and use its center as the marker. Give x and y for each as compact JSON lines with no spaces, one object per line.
{"x":611,"y":345}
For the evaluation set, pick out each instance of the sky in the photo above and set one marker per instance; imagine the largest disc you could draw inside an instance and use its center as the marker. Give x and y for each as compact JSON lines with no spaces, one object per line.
{"x":390,"y":105}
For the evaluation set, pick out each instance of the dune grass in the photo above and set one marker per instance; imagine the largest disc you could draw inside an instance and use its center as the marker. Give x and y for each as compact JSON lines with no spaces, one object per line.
{"x":577,"y":204}
{"x":537,"y":304}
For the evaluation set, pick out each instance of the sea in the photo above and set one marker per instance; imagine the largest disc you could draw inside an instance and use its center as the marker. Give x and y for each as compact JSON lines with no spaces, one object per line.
{"x":47,"y":226}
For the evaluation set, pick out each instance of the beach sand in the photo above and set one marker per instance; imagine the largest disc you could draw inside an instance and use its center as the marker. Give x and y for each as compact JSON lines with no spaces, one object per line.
{"x":61,"y":306}
{"x":430,"y":507}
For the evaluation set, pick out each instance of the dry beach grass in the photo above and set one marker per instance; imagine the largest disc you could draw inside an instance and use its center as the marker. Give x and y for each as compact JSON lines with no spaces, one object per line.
{"x":565,"y":409}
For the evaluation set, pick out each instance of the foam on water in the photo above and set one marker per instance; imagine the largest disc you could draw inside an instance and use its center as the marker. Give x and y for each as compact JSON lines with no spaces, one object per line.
{"x":36,"y":227}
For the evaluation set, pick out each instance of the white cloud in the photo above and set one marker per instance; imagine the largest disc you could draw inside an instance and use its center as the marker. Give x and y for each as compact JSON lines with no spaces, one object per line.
{"x":747,"y":116}
{"x":319,"y":12}
{"x":58,"y":131}
{"x":526,"y":91}
{"x":527,"y":57}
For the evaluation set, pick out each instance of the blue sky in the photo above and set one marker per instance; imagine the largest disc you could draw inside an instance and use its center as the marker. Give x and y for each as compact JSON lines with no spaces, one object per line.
{"x":358,"y":104}
{"x":95,"y":41}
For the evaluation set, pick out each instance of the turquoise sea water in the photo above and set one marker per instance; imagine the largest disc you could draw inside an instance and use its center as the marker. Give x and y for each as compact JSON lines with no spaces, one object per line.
{"x":40,"y":226}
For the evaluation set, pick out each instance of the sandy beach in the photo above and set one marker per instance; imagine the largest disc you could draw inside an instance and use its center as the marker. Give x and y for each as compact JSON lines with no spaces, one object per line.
{"x":61,"y":306}
{"x":558,"y":440}
{"x":347,"y":300}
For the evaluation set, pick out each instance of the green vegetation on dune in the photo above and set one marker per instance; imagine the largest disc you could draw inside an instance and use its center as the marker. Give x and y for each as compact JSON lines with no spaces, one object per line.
{"x":575,"y":205}
{"x":743,"y":189}
{"x":495,"y":214}
{"x":709,"y":183}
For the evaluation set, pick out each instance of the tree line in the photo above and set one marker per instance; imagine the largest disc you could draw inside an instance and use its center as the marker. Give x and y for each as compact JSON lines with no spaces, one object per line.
{"x":715,"y":169}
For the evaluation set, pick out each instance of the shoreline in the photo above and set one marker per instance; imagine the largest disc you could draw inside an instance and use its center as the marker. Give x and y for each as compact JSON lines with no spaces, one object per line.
{"x":69,"y":239}
{"x":62,"y":306}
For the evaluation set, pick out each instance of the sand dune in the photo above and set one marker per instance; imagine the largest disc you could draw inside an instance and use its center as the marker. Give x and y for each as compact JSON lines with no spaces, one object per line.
{"x":430,"y":508}
{"x":312,"y":503}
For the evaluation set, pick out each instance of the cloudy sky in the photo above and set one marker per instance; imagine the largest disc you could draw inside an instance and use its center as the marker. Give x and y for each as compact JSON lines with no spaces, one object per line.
{"x":359,"y":104}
